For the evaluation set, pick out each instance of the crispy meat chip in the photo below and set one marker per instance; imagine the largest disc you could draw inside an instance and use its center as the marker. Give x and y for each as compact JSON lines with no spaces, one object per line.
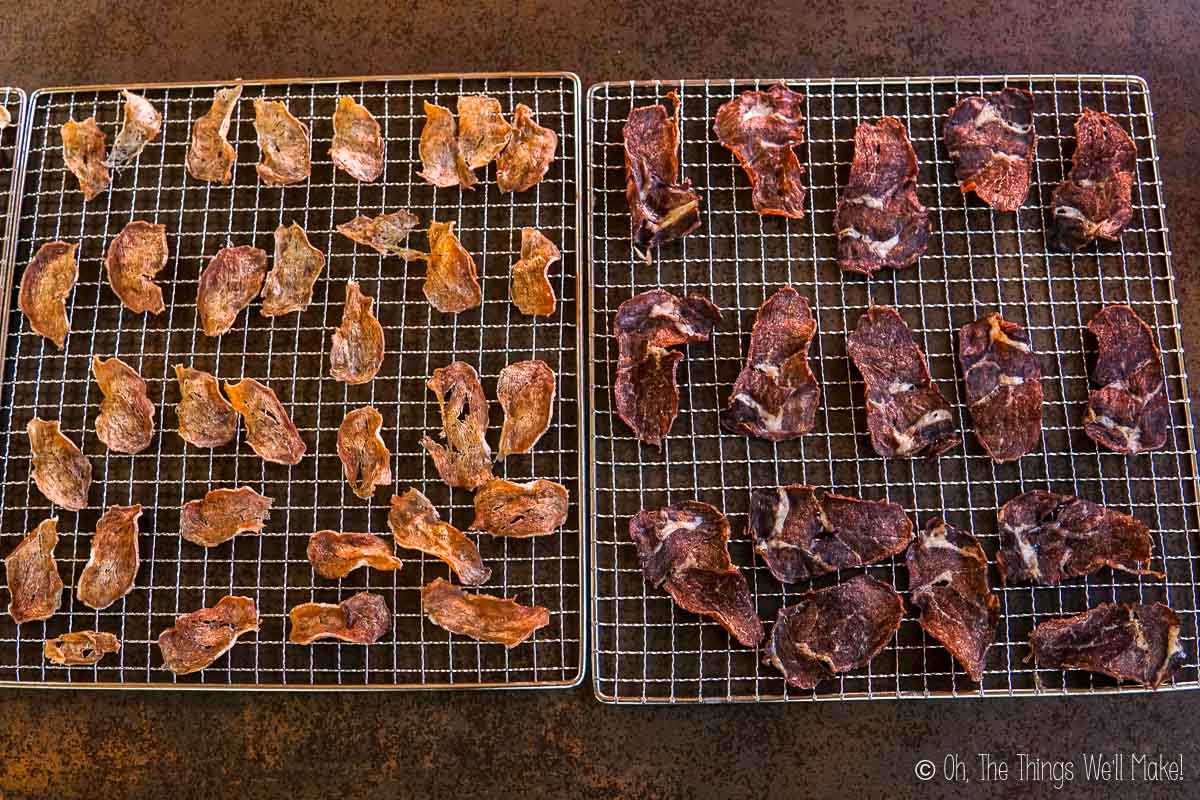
{"x":384,"y":234}
{"x":206,"y":419}
{"x":361,"y":619}
{"x":5,"y":118}
{"x":1004,"y":386}
{"x":1127,"y":406}
{"x":45,"y":284}
{"x":366,"y":461}
{"x":481,"y":616}
{"x":1095,"y":201}
{"x":661,"y":208}
{"x":62,"y":473}
{"x":126,"y":421}
{"x":357,"y":350}
{"x":536,"y":508}
{"x":133,"y":259}
{"x":760,"y":129}
{"x":441,"y":161}
{"x":210,"y":156}
{"x":525,"y":390}
{"x":531,"y":290}
{"x":269,"y":429}
{"x":80,"y":648}
{"x":335,"y":555}
{"x":142,"y":124}
{"x":452,"y":281}
{"x":283,"y":140}
{"x":83,"y":152}
{"x":34,"y":585}
{"x":465,"y":461}
{"x":357,"y":147}
{"x":992,"y":141}
{"x":113,"y":564}
{"x":482,"y":135}
{"x":222,"y":514}
{"x":529,"y":154}
{"x":201,"y":637}
{"x":230,"y":281}
{"x":416,"y":525}
{"x":288,"y":286}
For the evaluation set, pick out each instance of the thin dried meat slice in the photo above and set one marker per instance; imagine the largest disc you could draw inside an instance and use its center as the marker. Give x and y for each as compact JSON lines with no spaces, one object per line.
{"x":335,"y":555}
{"x":132,"y":261}
{"x":126,"y":421}
{"x":198,"y":639}
{"x":142,"y":124}
{"x":1127,"y":406}
{"x":269,"y":429}
{"x":206,"y":419}
{"x":525,"y":390}
{"x":113,"y":563}
{"x":80,"y":648}
{"x":833,"y":630}
{"x":283,"y":140}
{"x":531,"y":290}
{"x":222,"y":514}
{"x":62,"y":473}
{"x":416,"y":525}
{"x":662,"y":208}
{"x":1095,"y":201}
{"x":5,"y":118}
{"x":452,"y":280}
{"x":1132,"y":642}
{"x":83,"y":152}
{"x":906,"y":413}
{"x":761,"y":128}
{"x":34,"y":585}
{"x":361,"y":619}
{"x":947,"y":577}
{"x":684,"y":548}
{"x":776,"y":394}
{"x":802,"y":535}
{"x":385,"y":234}
{"x":536,"y":508}
{"x":1004,"y":386}
{"x":227,"y":285}
{"x":288,"y":286}
{"x":529,"y":154}
{"x":880,"y":222}
{"x":210,"y":156}
{"x":465,"y":461}
{"x":45,"y":284}
{"x":481,"y":616}
{"x":482,"y":134}
{"x":442,"y":164}
{"x":357,"y":146}
{"x":992,"y":141}
{"x":366,"y":462}
{"x":356,"y":353}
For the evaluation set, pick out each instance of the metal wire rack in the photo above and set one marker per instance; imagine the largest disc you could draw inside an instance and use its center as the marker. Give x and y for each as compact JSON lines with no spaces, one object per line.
{"x":290,"y":354}
{"x":648,"y":650}
{"x":13,"y":101}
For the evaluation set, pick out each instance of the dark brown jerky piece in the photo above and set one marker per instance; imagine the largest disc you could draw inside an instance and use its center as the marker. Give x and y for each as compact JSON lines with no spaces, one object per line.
{"x":80,"y":648}
{"x":1127,"y":407}
{"x":385,"y":234}
{"x":206,"y":419}
{"x":416,"y":525}
{"x":992,"y":141}
{"x":1004,"y":386}
{"x":133,"y":259}
{"x":222,"y":514}
{"x":283,"y":140}
{"x":536,"y":508}
{"x":366,"y":462}
{"x":525,"y":390}
{"x":531,"y":290}
{"x":142,"y":124}
{"x":288,"y":286}
{"x":880,"y":221}
{"x":684,"y":548}
{"x":126,"y":421}
{"x":482,"y":134}
{"x":269,"y":429}
{"x":62,"y":473}
{"x":1046,"y":538}
{"x":761,"y":128}
{"x":465,"y":461}
{"x":83,"y":152}
{"x":947,"y":577}
{"x":529,"y":154}
{"x":45,"y":284}
{"x":1134,"y":642}
{"x":481,"y":616}
{"x":210,"y":156}
{"x":906,"y":413}
{"x":452,"y":281}
{"x":201,"y":637}
{"x":227,"y":285}
{"x":34,"y":586}
{"x":776,"y":394}
{"x":438,"y":148}
{"x":662,"y":208}
{"x":356,"y":352}
{"x":801,"y":535}
{"x":113,"y":563}
{"x":357,"y":145}
{"x":833,"y":630}
{"x":1095,"y":201}
{"x":361,"y":619}
{"x":335,"y":555}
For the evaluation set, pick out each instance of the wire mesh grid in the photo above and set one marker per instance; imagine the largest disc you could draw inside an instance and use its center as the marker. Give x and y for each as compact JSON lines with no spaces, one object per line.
{"x":648,"y":650}
{"x":289,"y":354}
{"x":12,"y":100}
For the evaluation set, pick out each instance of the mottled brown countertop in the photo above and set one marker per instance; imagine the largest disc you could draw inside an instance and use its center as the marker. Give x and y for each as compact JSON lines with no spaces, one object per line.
{"x":161,"y":744}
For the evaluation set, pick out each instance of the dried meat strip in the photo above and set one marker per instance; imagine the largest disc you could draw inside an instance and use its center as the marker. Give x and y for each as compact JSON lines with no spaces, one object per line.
{"x":1095,"y":201}
{"x":1004,"y":386}
{"x":80,"y":648}
{"x":357,"y":147}
{"x":482,"y":134}
{"x":45,"y":284}
{"x":531,"y":290}
{"x":441,"y":162}
{"x":284,"y":142}
{"x":452,"y":280}
{"x":210,"y":156}
{"x":1127,"y":406}
{"x":227,"y":285}
{"x":126,"y":420}
{"x":206,"y":419}
{"x":288,"y":286}
{"x":222,"y":514}
{"x":142,"y":124}
{"x":62,"y":473}
{"x":83,"y":152}
{"x":34,"y":585}
{"x":465,"y":461}
{"x":269,"y":429}
{"x":416,"y":525}
{"x":135,"y":256}
{"x":361,"y":619}
{"x":760,"y":129}
{"x":481,"y":616}
{"x":662,"y":208}
{"x":198,"y":639}
{"x":356,"y":352}
{"x":529,"y":154}
{"x":992,"y":140}
{"x":335,"y":555}
{"x":536,"y":508}
{"x":525,"y":390}
{"x":366,"y":462}
{"x":385,"y":234}
{"x":113,"y":563}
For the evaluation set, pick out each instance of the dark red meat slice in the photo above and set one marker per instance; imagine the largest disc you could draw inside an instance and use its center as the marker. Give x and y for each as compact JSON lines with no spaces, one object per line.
{"x":113,"y":563}
{"x":45,"y":284}
{"x":465,"y":460}
{"x":361,"y":619}
{"x":1095,"y":199}
{"x":1127,"y":407}
{"x":481,"y":616}
{"x":34,"y":585}
{"x":761,"y":128}
{"x":1004,"y":386}
{"x":663,"y":209}
{"x":993,"y":142}
{"x":201,"y":637}
{"x":135,"y":256}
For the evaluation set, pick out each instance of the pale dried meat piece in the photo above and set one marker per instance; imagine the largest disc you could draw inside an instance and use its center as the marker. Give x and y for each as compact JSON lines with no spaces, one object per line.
{"x":662,"y":208}
{"x":297,"y":264}
{"x":1095,"y":201}
{"x":142,"y":124}
{"x":452,"y":280}
{"x":269,"y":429}
{"x":947,"y":577}
{"x":416,"y":525}
{"x":83,"y":152}
{"x":906,"y":413}
{"x":833,"y":630}
{"x":80,"y":648}
{"x":776,"y":394}
{"x":1046,"y":538}
{"x":525,"y":390}
{"x":227,"y":285}
{"x":802,"y":535}
{"x":210,"y":157}
{"x":335,"y":555}
{"x":126,"y":421}
{"x":198,"y":639}
{"x":482,"y":134}
{"x":760,"y":129}
{"x":366,"y":462}
{"x":992,"y":140}
{"x":684,"y":548}
{"x":385,"y":234}
{"x":45,"y":284}
{"x":222,"y":514}
{"x":34,"y":585}
{"x":132,"y":261}
{"x":206,"y":419}
{"x":356,"y":353}
{"x":442,"y":164}
{"x":113,"y":562}
{"x":1004,"y":386}
{"x":531,"y":290}
{"x":361,"y":619}
{"x":1127,"y":406}
{"x":283,"y":140}
{"x":62,"y":473}
{"x":1132,"y":642}
{"x":529,"y":154}
{"x":357,"y":147}
{"x":880,"y":222}
{"x":465,"y":461}
{"x":481,"y":616}
{"x":5,"y":118}
{"x":536,"y":508}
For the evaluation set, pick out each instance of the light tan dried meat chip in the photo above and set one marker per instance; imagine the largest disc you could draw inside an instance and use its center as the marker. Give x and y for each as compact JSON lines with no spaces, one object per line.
{"x":481,"y":616}
{"x":416,"y":525}
{"x":142,"y":124}
{"x":210,"y":156}
{"x":525,"y":390}
{"x":83,"y":152}
{"x":356,"y":352}
{"x":529,"y":154}
{"x":113,"y":563}
{"x":284,"y":143}
{"x":438,"y":148}
{"x":80,"y":648}
{"x":451,"y":280}
{"x":385,"y":234}
{"x":222,"y":514}
{"x":357,"y":147}
{"x":335,"y":555}
{"x":366,"y":461}
{"x":198,"y":639}
{"x":536,"y":508}
{"x":465,"y":461}
{"x":62,"y":473}
{"x":206,"y":419}
{"x":134,"y":257}
{"x":531,"y":290}
{"x":34,"y":585}
{"x":361,"y":619}
{"x":45,"y":284}
{"x":126,"y":420}
{"x":227,"y":285}
{"x":269,"y":429}
{"x":482,"y":134}
{"x":288,"y":286}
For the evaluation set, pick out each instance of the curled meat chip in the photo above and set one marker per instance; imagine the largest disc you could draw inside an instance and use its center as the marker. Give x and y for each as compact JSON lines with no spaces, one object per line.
{"x":62,"y":473}
{"x":992,"y":141}
{"x":1127,"y":406}
{"x":222,"y":514}
{"x":357,"y":350}
{"x":210,"y":156}
{"x":80,"y":648}
{"x":34,"y":585}
{"x":442,"y":164}
{"x":531,"y":289}
{"x":384,"y":234}
{"x":361,"y":619}
{"x":142,"y":124}
{"x":761,"y":128}
{"x":230,"y":281}
{"x":536,"y":508}
{"x":288,"y":286}
{"x":283,"y":140}
{"x":357,"y":145}
{"x":335,"y":555}
{"x":126,"y":421}
{"x":1095,"y":201}
{"x":465,"y":461}
{"x":201,"y":637}
{"x":1004,"y":386}
{"x":133,"y":259}
{"x":525,"y":390}
{"x":113,"y":564}
{"x":206,"y":419}
{"x":416,"y":525}
{"x":269,"y":429}
{"x":661,"y":208}
{"x":481,"y":616}
{"x":482,"y":134}
{"x":5,"y":118}
{"x":529,"y":154}
{"x":365,"y":458}
{"x":45,"y":284}
{"x":452,"y":281}
{"x":83,"y":152}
